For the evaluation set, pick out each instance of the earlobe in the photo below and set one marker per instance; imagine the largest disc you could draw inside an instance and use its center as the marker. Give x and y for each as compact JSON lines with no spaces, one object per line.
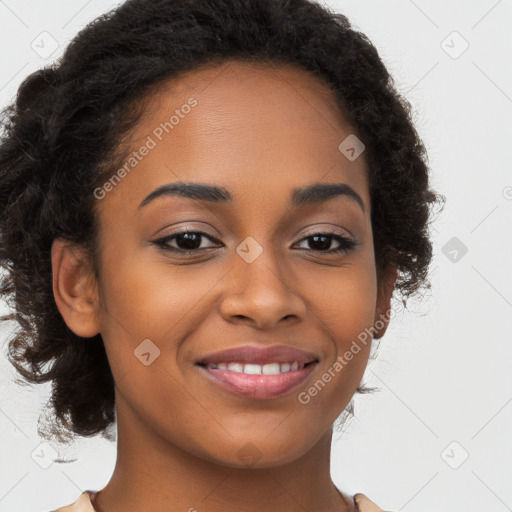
{"x":383,"y":306}
{"x":75,"y":288}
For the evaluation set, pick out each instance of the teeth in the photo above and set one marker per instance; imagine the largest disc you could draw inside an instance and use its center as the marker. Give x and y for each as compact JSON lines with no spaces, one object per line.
{"x":236,"y":367}
{"x":271,"y":369}
{"x":256,"y":369}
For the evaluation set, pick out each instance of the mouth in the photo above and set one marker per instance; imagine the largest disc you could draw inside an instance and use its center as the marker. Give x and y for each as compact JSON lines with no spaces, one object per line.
{"x":259,"y":373}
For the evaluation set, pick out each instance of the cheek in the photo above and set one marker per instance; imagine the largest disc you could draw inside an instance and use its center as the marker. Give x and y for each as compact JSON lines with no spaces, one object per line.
{"x":344,"y":304}
{"x":143,"y":298}
{"x":147,"y":309}
{"x":345,"y":310}
{"x":149,"y":295}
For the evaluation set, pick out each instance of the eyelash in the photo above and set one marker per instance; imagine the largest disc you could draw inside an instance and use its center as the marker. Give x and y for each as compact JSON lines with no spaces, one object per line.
{"x":346,"y":244}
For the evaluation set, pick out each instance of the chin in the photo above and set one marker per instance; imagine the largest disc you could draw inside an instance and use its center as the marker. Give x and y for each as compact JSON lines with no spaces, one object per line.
{"x":255,"y":455}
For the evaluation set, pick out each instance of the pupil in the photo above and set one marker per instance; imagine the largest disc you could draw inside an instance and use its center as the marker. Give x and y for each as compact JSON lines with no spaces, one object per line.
{"x":191,"y":240}
{"x":325,"y":239}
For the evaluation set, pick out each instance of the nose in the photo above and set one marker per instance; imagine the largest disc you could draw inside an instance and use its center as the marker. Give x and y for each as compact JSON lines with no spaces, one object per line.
{"x":259,"y":294}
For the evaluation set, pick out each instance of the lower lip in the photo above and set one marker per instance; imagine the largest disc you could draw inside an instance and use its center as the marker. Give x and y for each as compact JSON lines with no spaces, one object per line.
{"x":258,"y":386}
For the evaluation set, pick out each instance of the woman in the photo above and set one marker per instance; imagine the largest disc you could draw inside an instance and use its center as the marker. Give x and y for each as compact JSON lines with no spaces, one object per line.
{"x":206,"y":206}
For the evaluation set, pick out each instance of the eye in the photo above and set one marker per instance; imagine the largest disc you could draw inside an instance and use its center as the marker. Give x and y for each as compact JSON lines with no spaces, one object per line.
{"x":320,"y":242}
{"x":191,"y":242}
{"x":187,"y":242}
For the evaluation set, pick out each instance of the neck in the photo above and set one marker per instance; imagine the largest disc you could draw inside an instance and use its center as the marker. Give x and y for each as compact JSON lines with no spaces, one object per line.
{"x":152,"y":473}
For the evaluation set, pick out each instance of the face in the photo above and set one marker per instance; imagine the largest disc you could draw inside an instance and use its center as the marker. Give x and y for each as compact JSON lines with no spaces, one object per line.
{"x":258,"y":262}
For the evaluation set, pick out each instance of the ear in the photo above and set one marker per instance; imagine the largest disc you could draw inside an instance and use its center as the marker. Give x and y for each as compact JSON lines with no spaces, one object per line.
{"x":75,"y":288}
{"x":383,"y":306}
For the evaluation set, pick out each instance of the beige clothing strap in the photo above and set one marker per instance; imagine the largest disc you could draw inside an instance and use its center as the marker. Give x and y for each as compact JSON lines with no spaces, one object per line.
{"x":83,"y":504}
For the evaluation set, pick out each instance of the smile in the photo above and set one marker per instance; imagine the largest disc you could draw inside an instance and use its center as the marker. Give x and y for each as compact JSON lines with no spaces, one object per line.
{"x":258,"y":369}
{"x":250,"y":380}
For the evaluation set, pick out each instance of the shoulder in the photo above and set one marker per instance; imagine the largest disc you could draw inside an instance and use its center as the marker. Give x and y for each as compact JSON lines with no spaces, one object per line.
{"x":364,"y":504}
{"x":82,"y":504}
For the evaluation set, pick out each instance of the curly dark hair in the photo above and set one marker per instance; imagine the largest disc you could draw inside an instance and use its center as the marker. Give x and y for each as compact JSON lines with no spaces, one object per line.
{"x":60,"y":139}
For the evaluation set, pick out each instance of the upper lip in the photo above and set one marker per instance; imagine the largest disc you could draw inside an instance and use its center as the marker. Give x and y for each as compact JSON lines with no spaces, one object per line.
{"x":259,"y":355}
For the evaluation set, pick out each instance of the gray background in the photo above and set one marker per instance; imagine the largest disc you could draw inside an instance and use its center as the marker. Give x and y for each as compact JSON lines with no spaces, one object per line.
{"x":437,"y":436}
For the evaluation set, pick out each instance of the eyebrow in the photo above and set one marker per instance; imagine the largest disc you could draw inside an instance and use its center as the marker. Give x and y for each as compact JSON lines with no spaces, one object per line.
{"x":312,"y":194}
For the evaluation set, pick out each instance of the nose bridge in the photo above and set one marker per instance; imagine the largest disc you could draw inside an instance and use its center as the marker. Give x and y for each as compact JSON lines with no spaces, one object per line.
{"x":260,"y":262}
{"x":259,"y":268}
{"x":259,"y":287}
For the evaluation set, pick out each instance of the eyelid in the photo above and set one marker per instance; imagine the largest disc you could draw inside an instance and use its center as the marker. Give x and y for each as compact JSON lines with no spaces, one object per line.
{"x":162,"y":240}
{"x":326,"y":231}
{"x":332,"y":230}
{"x":188,"y":229}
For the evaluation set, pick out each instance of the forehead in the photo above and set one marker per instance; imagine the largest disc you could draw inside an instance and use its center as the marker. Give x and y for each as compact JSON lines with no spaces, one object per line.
{"x":243,"y":126}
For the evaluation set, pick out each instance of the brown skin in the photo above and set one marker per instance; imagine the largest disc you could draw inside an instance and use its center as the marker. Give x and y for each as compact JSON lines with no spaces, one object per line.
{"x":260,"y":132}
